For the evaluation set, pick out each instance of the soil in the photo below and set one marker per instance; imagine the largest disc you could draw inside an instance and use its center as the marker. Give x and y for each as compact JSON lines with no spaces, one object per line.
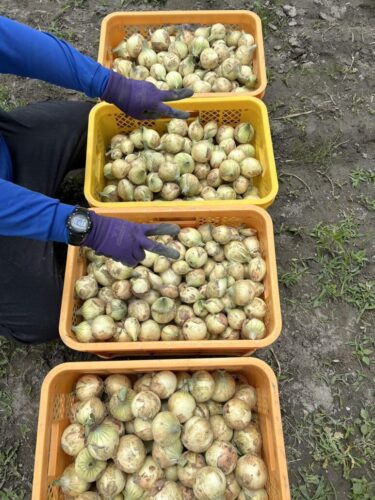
{"x":320,"y":95}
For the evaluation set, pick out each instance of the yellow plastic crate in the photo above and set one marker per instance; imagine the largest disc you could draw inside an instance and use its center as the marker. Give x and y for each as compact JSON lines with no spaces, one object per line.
{"x":106,"y":120}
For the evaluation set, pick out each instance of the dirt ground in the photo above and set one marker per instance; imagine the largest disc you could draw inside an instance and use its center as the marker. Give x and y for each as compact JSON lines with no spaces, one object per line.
{"x":321,"y":99}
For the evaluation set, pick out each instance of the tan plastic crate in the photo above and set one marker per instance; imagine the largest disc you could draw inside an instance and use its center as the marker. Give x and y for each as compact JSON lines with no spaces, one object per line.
{"x":118,"y":25}
{"x":251,"y":216}
{"x":56,"y":400}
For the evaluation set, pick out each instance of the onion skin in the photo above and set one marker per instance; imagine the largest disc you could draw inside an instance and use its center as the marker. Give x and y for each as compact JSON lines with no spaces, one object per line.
{"x":223,"y":455}
{"x":237,"y":414}
{"x":131,"y":454}
{"x":251,"y":472}
{"x":209,"y":484}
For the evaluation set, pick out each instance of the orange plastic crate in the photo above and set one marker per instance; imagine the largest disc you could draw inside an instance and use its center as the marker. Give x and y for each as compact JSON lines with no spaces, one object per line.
{"x":253,"y":217}
{"x":106,"y":120}
{"x":119,"y":25}
{"x":57,"y":397}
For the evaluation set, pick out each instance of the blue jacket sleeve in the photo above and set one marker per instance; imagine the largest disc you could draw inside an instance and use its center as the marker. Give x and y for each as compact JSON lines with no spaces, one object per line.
{"x":32,"y":215}
{"x":35,"y":54}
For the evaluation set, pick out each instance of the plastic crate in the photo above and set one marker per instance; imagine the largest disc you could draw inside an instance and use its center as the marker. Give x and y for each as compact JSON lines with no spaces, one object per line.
{"x":106,"y":120}
{"x":119,"y":25}
{"x":56,"y":400}
{"x":253,"y":217}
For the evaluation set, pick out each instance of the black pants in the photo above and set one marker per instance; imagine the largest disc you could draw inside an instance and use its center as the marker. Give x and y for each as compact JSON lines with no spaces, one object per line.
{"x":45,"y":141}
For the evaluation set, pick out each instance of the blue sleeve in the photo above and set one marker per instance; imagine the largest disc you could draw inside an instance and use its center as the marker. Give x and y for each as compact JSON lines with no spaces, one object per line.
{"x":32,"y":215}
{"x":35,"y":54}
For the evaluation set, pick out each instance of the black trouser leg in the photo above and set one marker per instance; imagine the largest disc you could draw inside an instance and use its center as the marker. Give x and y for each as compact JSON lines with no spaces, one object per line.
{"x":45,"y":141}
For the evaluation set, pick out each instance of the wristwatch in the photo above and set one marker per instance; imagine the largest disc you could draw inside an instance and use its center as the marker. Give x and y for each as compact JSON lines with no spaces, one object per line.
{"x":78,"y":224}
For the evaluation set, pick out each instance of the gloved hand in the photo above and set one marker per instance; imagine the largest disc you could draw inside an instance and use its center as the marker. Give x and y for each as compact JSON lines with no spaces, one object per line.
{"x":143,"y":100}
{"x":126,"y":241}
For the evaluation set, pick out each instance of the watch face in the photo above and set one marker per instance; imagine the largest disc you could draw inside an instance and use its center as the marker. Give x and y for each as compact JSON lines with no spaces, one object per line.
{"x":79,"y":223}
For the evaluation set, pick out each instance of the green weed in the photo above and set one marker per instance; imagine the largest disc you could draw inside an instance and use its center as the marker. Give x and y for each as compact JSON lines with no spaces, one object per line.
{"x":10,"y":472}
{"x":295,"y":274}
{"x":362,"y":175}
{"x":313,"y":487}
{"x":362,"y":489}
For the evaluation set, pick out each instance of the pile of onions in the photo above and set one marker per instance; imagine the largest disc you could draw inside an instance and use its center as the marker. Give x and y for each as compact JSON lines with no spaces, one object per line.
{"x":189,"y":161}
{"x":213,"y":292}
{"x":164,"y":436}
{"x":209,"y":59}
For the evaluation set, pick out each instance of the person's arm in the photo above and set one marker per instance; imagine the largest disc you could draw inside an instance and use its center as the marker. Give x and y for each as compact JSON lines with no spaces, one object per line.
{"x":25,"y":51}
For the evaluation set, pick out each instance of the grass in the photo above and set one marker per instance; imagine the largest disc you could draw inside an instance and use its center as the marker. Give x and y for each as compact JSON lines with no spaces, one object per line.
{"x":341,"y":265}
{"x":313,"y":487}
{"x":295,"y":274}
{"x":362,"y":176}
{"x":317,"y":154}
{"x":10,"y":473}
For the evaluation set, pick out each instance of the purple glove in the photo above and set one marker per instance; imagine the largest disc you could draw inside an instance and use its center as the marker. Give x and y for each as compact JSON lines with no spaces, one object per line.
{"x":143,"y":100}
{"x":126,"y":241}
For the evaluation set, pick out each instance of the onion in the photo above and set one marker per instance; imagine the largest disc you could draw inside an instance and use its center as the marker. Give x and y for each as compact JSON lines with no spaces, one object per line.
{"x":181,"y":267}
{"x":184,"y":162}
{"x":183,"y":313}
{"x":73,"y":439}
{"x":196,"y":257}
{"x":70,"y":483}
{"x":120,"y":404}
{"x":248,"y":440}
{"x":257,"y":269}
{"x":199,"y":44}
{"x":113,"y":383}
{"x":197,"y":434}
{"x":116,"y":424}
{"x":209,"y":59}
{"x":251,"y":472}
{"x":209,"y":484}
{"x":223,"y":455}
{"x":256,"y":309}
{"x":182,"y":405}
{"x":103,"y":327}
{"x":102,"y":442}
{"x":148,"y":474}
{"x":163,"y":310}
{"x":220,"y":429}
{"x":166,"y":428}
{"x":245,"y":53}
{"x":188,"y":466}
{"x":254,"y":494}
{"x":116,"y":309}
{"x":202,"y":411}
{"x":201,"y":151}
{"x":132,"y":328}
{"x":132,"y":491}
{"x":194,"y":329}
{"x":160,"y":40}
{"x":86,"y":287}
{"x":111,"y":482}
{"x":248,"y":394}
{"x":250,"y":167}
{"x":164,"y":384}
{"x":134,"y":45}
{"x":225,"y":386}
{"x":222,"y":84}
{"x":171,"y":473}
{"x":236,"y":317}
{"x":87,"y":467}
{"x":143,"y":429}
{"x":253,"y":329}
{"x":226,"y":193}
{"x":237,"y":414}
{"x":183,"y":380}
{"x":217,"y":32}
{"x":189,"y":295}
{"x":172,"y":143}
{"x":89,"y":412}
{"x":88,"y":386}
{"x":150,"y":331}
{"x":166,"y":456}
{"x":216,"y":323}
{"x":242,"y":292}
{"x":216,"y":288}
{"x":139,"y":309}
{"x":189,"y":185}
{"x":130,"y":454}
{"x":146,"y":404}
{"x":143,"y":383}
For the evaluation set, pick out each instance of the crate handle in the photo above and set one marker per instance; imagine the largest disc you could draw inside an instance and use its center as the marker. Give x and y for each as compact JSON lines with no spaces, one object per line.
{"x":53,"y":450}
